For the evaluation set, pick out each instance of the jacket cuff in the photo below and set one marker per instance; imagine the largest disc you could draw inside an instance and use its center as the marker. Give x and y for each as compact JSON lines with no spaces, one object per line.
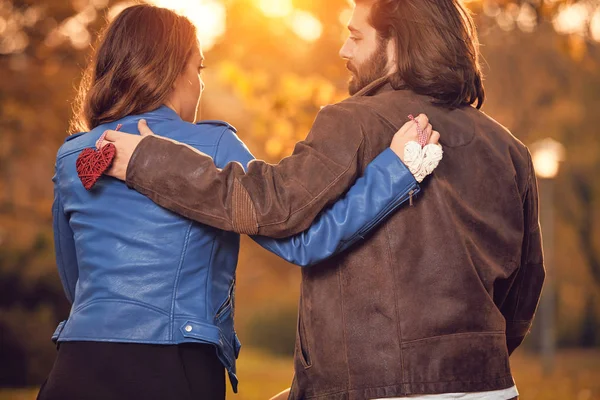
{"x":397,"y":170}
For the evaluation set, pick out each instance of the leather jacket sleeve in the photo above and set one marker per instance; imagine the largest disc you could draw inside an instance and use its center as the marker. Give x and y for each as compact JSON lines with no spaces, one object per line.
{"x":270,"y":200}
{"x":526,"y":282}
{"x":64,"y":246}
{"x":385,"y":186}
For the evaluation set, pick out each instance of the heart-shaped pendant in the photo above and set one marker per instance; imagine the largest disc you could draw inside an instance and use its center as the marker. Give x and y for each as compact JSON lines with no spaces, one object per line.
{"x":92,"y":163}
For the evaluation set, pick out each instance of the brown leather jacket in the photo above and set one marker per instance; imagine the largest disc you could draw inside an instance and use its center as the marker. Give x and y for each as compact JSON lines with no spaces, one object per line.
{"x":437,"y":297}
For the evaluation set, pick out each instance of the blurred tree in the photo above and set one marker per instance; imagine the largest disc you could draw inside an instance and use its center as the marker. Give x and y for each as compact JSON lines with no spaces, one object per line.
{"x":273,"y":329}
{"x":590,"y":324}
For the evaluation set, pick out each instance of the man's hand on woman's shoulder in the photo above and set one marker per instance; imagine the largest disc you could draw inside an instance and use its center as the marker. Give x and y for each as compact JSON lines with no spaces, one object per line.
{"x":125,"y":144}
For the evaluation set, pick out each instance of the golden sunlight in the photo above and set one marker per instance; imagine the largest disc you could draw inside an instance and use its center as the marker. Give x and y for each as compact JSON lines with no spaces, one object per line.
{"x":547,"y":154}
{"x":209,"y":16}
{"x":306,"y":26}
{"x":345,"y":16}
{"x":276,"y":8}
{"x":595,"y":25}
{"x":572,"y":19}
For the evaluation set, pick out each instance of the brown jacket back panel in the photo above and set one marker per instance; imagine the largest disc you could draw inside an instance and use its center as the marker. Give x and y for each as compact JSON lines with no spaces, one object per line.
{"x":425,"y":303}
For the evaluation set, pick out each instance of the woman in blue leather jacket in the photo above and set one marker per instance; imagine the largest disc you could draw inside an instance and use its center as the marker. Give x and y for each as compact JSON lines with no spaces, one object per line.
{"x":152,"y":292}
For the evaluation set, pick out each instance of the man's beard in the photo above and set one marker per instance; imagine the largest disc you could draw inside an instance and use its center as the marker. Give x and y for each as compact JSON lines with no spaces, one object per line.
{"x":369,"y":71}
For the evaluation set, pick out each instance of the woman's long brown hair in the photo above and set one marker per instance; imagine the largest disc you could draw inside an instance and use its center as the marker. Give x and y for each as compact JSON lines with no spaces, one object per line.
{"x":133,"y":68}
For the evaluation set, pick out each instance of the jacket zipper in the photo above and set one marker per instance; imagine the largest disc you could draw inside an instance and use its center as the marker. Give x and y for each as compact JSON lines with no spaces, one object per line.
{"x":224,"y":307}
{"x":414,"y":190}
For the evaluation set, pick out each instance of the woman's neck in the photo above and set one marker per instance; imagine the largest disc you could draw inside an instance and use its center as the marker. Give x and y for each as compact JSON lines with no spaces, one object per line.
{"x":173,"y":106}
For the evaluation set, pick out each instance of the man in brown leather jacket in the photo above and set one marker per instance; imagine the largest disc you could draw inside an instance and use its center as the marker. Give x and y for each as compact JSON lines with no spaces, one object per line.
{"x":440,"y":295}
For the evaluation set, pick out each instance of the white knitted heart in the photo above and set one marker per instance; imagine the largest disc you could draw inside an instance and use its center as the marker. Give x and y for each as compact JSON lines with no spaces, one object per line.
{"x":432,"y":155}
{"x":422,"y":161}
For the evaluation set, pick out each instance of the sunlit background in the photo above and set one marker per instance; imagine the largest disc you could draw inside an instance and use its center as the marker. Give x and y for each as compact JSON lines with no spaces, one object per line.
{"x":272,"y":65}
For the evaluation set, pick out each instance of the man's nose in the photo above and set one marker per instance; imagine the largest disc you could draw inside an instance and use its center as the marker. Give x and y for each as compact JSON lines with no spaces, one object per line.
{"x":345,"y":52}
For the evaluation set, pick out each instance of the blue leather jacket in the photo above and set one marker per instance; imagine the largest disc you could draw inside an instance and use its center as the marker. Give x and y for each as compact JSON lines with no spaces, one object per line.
{"x":137,"y":273}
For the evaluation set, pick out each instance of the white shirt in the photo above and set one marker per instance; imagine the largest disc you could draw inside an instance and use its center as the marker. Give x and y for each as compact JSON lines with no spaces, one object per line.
{"x":504,"y":394}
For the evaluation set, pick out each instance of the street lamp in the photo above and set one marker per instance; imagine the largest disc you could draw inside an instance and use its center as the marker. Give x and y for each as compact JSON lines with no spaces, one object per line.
{"x":547,"y":155}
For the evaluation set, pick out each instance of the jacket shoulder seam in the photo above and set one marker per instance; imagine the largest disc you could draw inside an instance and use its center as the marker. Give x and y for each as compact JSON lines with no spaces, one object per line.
{"x":218,"y":145}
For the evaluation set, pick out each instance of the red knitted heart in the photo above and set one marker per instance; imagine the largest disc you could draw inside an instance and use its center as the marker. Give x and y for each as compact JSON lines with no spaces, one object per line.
{"x":92,"y":163}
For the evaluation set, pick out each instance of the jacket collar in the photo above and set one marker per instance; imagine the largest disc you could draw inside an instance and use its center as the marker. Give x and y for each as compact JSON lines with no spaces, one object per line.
{"x":372,"y":87}
{"x":163,"y":112}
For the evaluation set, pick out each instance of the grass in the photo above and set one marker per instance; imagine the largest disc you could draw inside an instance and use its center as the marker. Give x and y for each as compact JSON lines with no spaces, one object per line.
{"x":576,"y":377}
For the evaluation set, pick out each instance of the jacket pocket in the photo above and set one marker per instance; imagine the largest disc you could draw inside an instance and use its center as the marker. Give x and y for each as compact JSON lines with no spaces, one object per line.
{"x":302,"y":348}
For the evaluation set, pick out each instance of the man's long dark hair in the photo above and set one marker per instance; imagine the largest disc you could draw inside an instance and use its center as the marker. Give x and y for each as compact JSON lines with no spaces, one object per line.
{"x":437,"y":48}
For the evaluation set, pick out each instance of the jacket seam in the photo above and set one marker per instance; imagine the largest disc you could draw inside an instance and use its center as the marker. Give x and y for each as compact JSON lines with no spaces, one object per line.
{"x":176,"y":283}
{"x":340,"y":271}
{"x":518,"y":320}
{"x":422,"y":104}
{"x":321,"y":395}
{"x":109,"y":300}
{"x":59,"y":253}
{"x":209,"y":311}
{"x":61,"y":267}
{"x":500,"y":305}
{"x":387,"y":121}
{"x":303,"y":359}
{"x":297,"y":181}
{"x":398,"y":325}
{"x":490,"y":333}
{"x":480,"y":280}
{"x":111,"y":340}
{"x":518,"y":294}
{"x":485,"y":380}
{"x":533,"y":264}
{"x":193,"y":318}
{"x":128,"y":340}
{"x":529,"y":174}
{"x":516,"y":336}
{"x":225,"y":129}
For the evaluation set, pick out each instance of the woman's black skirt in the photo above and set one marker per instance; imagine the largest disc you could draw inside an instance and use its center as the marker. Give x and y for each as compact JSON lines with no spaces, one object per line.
{"x":115,"y":371}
